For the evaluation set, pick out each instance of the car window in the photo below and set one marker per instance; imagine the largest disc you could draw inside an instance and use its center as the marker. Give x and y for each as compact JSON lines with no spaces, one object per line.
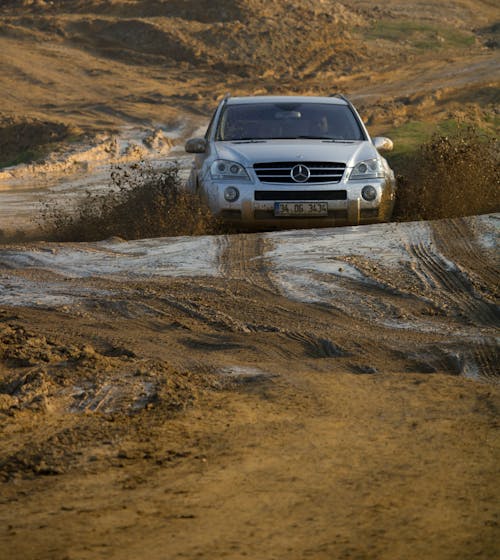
{"x":288,"y":120}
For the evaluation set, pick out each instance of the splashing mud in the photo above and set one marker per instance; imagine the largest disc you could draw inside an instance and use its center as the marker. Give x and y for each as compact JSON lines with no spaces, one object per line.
{"x":142,"y":202}
{"x":451,"y":176}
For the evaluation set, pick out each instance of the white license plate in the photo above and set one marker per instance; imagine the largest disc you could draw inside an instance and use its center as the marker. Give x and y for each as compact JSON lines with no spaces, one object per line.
{"x":301,"y":208}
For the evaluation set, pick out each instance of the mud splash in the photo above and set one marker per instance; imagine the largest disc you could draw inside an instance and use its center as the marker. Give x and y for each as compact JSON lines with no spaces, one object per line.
{"x":142,"y":202}
{"x":450,"y":176}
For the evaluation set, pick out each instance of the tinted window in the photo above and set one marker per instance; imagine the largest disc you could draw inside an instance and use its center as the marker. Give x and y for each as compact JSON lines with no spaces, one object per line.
{"x":288,"y":120}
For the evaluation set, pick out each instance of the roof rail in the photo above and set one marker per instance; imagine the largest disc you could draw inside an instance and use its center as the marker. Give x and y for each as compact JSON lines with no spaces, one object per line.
{"x":340,"y":96}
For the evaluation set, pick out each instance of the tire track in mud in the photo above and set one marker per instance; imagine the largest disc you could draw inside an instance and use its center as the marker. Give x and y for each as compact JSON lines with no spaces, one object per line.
{"x":457,"y":238}
{"x":443,"y":284}
{"x":172,"y":303}
{"x":317,"y":347}
{"x":448,"y":284}
{"x":122,"y":394}
{"x":480,"y":360}
{"x":242,"y":310}
{"x":474,"y":359}
{"x":473,"y":264}
{"x":241,"y":257}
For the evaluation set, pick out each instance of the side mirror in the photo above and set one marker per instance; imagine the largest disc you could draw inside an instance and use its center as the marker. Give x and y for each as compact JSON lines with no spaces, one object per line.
{"x":383,"y":144}
{"x":196,"y":146}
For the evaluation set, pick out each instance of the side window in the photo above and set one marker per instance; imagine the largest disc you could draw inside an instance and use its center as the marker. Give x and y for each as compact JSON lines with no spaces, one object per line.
{"x":210,"y":126}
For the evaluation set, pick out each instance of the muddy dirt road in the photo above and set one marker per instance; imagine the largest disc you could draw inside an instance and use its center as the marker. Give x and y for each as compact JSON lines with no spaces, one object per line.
{"x":321,"y":394}
{"x":308,"y":394}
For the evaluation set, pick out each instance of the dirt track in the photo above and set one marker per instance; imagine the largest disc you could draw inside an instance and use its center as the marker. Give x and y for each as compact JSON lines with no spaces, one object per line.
{"x":325,"y":374}
{"x":316,"y":394}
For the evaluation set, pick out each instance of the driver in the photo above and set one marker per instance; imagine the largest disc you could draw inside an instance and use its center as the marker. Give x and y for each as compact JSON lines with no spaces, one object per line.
{"x":319,"y":126}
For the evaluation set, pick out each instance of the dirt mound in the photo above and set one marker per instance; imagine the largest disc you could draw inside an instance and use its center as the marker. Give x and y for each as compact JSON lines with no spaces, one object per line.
{"x":131,"y":40}
{"x":246,"y":37}
{"x":170,"y":55}
{"x":25,"y":140}
{"x":39,"y":373}
{"x":204,"y":11}
{"x":201,"y":10}
{"x":289,"y":38}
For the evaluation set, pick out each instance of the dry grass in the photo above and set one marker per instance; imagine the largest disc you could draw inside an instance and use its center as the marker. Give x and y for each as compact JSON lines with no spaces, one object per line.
{"x":141,"y":203}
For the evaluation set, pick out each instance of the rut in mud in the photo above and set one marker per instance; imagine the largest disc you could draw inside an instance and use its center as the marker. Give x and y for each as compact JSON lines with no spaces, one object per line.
{"x":173,"y":314}
{"x":430,"y":289}
{"x":339,"y":354}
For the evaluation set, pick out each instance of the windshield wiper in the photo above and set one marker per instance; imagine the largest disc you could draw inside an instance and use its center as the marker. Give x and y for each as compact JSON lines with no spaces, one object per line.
{"x":248,"y":140}
{"x":301,"y":137}
{"x":325,"y":138}
{"x":309,"y":137}
{"x":339,"y":141}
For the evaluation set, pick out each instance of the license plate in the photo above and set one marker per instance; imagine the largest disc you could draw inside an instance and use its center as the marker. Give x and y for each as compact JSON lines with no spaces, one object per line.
{"x":301,"y":208}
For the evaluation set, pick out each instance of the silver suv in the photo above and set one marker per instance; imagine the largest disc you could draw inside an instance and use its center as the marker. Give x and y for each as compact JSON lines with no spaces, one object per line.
{"x":271,"y":161}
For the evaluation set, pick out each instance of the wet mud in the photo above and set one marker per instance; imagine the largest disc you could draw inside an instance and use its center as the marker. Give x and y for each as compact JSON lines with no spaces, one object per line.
{"x":140,"y":381}
{"x":289,"y":395}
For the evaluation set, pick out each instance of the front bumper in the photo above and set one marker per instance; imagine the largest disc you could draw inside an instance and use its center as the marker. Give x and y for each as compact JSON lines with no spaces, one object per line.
{"x":345,"y":204}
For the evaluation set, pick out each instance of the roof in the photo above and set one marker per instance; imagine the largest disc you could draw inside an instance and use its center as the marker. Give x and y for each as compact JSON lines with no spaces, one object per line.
{"x":285,"y":99}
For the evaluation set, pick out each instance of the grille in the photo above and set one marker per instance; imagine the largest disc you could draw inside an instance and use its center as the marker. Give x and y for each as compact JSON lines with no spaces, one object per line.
{"x":300,"y":195}
{"x":279,"y":172}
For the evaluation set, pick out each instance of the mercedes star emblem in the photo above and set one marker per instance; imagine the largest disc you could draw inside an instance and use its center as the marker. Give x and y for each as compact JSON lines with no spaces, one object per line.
{"x":300,"y":173}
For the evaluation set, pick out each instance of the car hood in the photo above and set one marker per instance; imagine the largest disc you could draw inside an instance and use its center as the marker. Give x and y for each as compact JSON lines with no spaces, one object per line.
{"x":248,"y":153}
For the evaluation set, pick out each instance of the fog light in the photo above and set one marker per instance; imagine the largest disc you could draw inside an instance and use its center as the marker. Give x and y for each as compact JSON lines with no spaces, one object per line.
{"x":231,"y":194}
{"x":369,"y":193}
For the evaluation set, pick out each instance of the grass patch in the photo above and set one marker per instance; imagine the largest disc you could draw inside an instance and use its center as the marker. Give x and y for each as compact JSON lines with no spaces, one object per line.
{"x":422,"y":36}
{"x":411,"y":135}
{"x":29,"y":141}
{"x":141,"y":203}
{"x":25,"y":156}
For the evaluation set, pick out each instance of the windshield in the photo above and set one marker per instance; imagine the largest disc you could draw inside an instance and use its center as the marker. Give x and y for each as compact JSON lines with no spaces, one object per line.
{"x":264,"y":121}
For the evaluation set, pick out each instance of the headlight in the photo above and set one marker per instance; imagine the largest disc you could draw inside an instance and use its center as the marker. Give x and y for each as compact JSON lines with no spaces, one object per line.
{"x":223,"y":169}
{"x":369,"y":193}
{"x":368,"y":169}
{"x":231,"y":194}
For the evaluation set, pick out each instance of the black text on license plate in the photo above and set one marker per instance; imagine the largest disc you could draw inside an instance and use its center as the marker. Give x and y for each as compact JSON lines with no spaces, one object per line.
{"x":301,"y":209}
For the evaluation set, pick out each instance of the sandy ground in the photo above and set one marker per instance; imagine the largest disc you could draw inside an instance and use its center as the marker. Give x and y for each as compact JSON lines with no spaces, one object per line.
{"x":314,"y":394}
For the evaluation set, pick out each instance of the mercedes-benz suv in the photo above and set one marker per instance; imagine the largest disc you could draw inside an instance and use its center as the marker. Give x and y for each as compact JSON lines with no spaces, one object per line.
{"x":270,"y":161}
